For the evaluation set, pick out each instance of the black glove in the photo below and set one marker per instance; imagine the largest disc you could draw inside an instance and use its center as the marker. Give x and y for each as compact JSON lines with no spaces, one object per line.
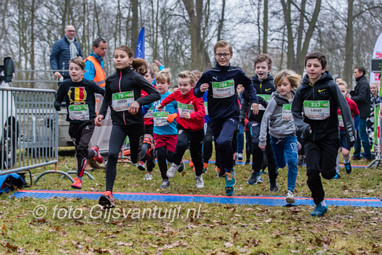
{"x":306,"y":132}
{"x":57,"y":105}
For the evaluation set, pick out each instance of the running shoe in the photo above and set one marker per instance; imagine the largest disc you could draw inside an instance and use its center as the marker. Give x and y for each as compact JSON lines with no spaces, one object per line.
{"x":77,"y":184}
{"x":107,"y":200}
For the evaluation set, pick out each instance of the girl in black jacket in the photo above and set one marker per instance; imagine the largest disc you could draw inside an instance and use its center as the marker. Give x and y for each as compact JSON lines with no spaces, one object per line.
{"x":123,"y":96}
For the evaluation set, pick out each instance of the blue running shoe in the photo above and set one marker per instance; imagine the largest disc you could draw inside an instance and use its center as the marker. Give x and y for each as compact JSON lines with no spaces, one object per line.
{"x":258,"y":179}
{"x":337,"y":176}
{"x":230,"y":182}
{"x":348,"y":167}
{"x":319,"y":211}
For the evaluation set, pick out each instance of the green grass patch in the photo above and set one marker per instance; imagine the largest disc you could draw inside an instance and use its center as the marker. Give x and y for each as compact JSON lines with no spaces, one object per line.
{"x":73,"y":226}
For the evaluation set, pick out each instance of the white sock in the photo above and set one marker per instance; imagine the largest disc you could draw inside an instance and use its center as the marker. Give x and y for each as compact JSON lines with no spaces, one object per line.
{"x":323,"y":203}
{"x":346,"y":159}
{"x":338,"y":164}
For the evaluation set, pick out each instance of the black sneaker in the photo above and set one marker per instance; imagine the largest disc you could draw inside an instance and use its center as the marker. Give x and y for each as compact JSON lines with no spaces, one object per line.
{"x":107,"y":200}
{"x":273,"y":186}
{"x":181,"y":167}
{"x":253,"y":179}
{"x":348,"y":167}
{"x":165,"y":184}
{"x":247,"y":162}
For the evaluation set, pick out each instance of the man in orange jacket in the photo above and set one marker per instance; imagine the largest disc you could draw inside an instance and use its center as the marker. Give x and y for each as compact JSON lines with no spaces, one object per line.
{"x":94,"y":71}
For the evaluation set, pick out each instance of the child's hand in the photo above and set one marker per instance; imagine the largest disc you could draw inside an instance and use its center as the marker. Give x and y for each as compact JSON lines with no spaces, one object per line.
{"x":134,"y":108}
{"x":255,"y":108}
{"x":171,"y":117}
{"x":186,"y":115}
{"x":262,"y":147}
{"x":160,"y":108}
{"x":204,"y":87}
{"x":98,"y":120}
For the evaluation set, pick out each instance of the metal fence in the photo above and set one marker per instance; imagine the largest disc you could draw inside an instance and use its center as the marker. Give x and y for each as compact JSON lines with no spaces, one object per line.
{"x":29,"y":129}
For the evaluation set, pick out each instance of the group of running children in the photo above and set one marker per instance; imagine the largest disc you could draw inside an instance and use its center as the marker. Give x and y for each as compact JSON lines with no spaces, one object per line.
{"x":273,"y":110}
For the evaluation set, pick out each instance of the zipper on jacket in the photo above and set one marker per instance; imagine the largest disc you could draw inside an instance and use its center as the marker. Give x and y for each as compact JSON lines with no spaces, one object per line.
{"x":119,"y":86}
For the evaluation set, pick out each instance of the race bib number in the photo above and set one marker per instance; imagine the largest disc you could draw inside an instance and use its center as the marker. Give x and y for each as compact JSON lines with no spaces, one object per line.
{"x":317,"y":110}
{"x":122,"y":100}
{"x":206,"y":107}
{"x":160,"y":119}
{"x":341,"y":121}
{"x":79,"y":112}
{"x":266,"y":97}
{"x":223,"y":89}
{"x":149,"y":113}
{"x":182,"y":108}
{"x":287,"y":112}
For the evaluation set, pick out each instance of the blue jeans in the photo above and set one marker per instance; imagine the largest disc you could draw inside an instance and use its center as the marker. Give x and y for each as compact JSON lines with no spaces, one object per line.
{"x":240,"y":139}
{"x":285,"y":152}
{"x":362,"y":136}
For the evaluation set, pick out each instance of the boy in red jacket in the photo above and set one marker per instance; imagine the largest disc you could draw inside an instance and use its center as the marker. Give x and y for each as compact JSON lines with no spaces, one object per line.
{"x":190,"y":119}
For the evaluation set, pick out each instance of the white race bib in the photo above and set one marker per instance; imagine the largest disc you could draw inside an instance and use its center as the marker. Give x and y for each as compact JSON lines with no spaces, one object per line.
{"x":182,"y":108}
{"x":79,"y":112}
{"x":317,"y":110}
{"x":341,"y":121}
{"x":266,"y":97}
{"x":160,"y":119}
{"x":223,"y":89}
{"x":206,"y":107}
{"x":287,"y":112}
{"x":149,"y":113}
{"x":122,"y":101}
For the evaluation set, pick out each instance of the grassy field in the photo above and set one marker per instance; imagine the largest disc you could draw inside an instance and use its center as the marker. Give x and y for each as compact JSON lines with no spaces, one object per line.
{"x":73,"y":226}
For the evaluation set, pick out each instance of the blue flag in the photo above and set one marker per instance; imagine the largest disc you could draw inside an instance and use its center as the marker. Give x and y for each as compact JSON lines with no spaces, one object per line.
{"x":140,"y":52}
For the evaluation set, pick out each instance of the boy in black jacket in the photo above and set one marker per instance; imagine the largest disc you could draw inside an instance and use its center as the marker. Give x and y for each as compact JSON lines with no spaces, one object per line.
{"x":319,"y":98}
{"x":263,"y":83}
{"x":80,"y":103}
{"x":223,"y":106}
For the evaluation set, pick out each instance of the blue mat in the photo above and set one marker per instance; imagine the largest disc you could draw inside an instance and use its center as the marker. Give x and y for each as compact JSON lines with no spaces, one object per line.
{"x":161,"y":197}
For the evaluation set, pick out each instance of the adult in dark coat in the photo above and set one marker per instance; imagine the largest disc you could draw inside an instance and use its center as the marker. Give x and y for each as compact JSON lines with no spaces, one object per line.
{"x":64,"y":50}
{"x":361,"y":96}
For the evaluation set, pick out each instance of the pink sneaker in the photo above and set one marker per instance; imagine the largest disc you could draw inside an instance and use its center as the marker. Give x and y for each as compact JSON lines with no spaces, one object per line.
{"x":99,"y":158}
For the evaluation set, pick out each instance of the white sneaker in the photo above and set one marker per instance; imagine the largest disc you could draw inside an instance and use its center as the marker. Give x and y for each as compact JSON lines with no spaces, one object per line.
{"x":199,"y":183}
{"x":289,"y":197}
{"x":148,"y":176}
{"x":239,"y":156}
{"x":172,"y":170}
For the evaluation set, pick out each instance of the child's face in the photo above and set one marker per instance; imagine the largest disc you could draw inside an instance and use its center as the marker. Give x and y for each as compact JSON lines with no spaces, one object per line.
{"x":121,"y":59}
{"x":184,"y":85}
{"x":284,"y":88}
{"x":75,"y":72}
{"x":162,"y":87}
{"x":148,"y":77}
{"x":373,"y":89}
{"x":343,"y":89}
{"x":223,"y":56}
{"x":314,"y":69}
{"x":262,"y":70}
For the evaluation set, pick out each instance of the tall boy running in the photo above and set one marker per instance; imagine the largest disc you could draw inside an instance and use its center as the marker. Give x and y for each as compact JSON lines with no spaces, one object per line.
{"x":223,"y":106}
{"x":319,"y":98}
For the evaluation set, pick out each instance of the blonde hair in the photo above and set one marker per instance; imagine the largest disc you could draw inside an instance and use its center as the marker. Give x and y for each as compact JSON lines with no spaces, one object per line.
{"x":164,"y":76}
{"x":292,"y":77}
{"x":187,"y":74}
{"x":222,"y":44}
{"x":78,"y":61}
{"x":197,"y":74}
{"x":154,"y":69}
{"x":342,"y":83}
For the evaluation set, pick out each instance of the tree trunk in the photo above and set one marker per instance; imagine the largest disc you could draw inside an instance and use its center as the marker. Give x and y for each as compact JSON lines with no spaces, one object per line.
{"x":349,"y":45}
{"x":134,"y":25}
{"x":288,"y":23}
{"x":221,"y":21}
{"x":265,"y":27}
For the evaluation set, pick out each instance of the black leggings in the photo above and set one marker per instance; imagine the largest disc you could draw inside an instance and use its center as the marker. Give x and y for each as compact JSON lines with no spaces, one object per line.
{"x":195,"y":141}
{"x":207,"y":143}
{"x":81,"y":133}
{"x":117,"y":138}
{"x":163,"y":154}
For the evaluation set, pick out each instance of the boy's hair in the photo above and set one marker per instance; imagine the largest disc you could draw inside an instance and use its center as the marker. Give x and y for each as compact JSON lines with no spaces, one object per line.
{"x":361,"y":69}
{"x":262,"y":58}
{"x":321,"y":57}
{"x":140,"y":66}
{"x":164,"y":76}
{"x":154,"y":70}
{"x":126,"y":49}
{"x":342,"y":83}
{"x":187,"y":74}
{"x":78,"y":61}
{"x":292,"y":77}
{"x":197,"y":74}
{"x":222,"y":44}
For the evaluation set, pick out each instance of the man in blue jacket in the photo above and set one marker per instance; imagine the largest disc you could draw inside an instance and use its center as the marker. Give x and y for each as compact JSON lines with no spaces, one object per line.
{"x":64,"y":50}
